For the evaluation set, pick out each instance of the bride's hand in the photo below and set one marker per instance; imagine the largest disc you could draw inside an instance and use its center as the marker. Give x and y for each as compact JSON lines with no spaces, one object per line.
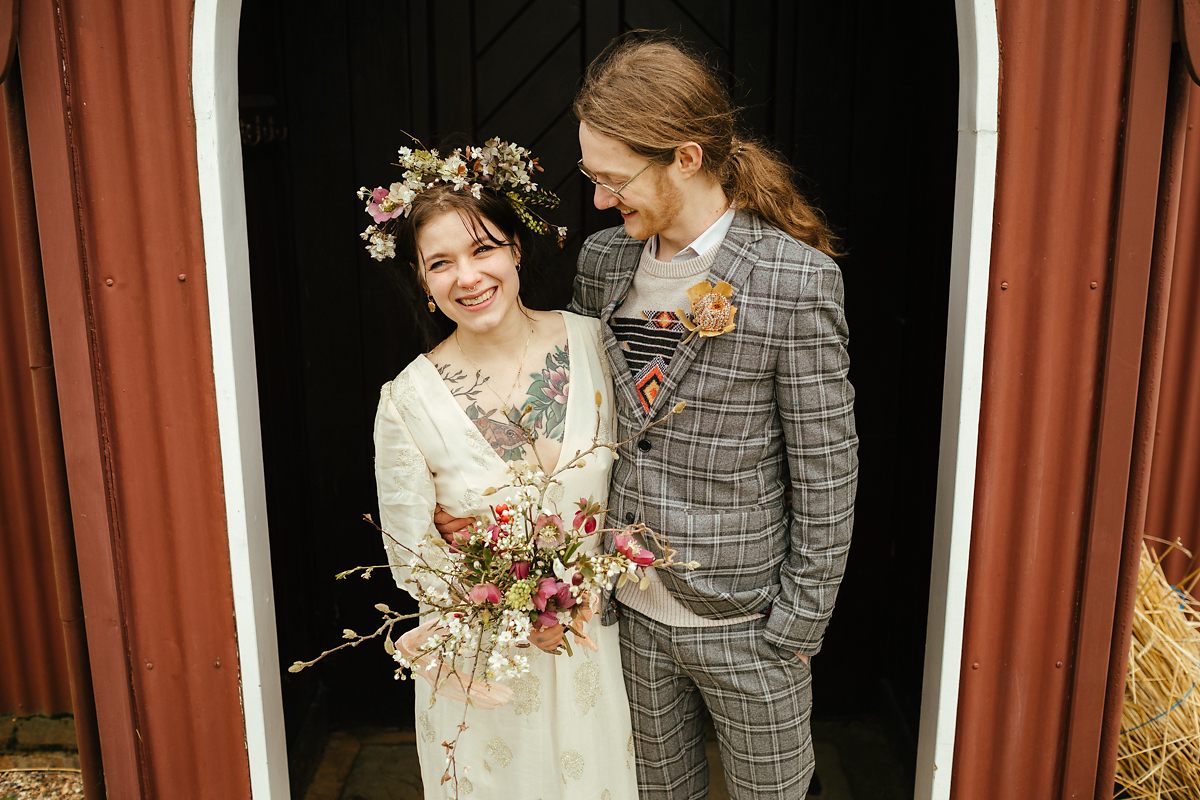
{"x":448,"y":525}
{"x":548,"y":639}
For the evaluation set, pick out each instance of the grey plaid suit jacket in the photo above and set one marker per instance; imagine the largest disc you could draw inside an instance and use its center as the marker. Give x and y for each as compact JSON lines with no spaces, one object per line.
{"x":767,"y":404}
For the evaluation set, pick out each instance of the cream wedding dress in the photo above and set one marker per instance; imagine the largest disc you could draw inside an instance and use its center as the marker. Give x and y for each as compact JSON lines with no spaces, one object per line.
{"x":565,"y":732}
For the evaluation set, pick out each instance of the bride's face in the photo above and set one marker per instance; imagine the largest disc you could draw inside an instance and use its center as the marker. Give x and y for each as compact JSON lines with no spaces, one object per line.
{"x":472,"y":279}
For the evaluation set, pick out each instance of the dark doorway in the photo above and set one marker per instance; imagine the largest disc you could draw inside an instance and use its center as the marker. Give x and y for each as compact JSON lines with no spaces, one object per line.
{"x":861,"y":97}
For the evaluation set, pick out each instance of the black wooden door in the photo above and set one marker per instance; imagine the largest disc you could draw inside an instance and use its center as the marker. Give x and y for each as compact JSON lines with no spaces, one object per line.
{"x":860,"y":96}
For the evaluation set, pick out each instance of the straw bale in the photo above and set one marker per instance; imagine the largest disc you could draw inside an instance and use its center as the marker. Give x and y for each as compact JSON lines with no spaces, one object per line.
{"x":1159,"y":752}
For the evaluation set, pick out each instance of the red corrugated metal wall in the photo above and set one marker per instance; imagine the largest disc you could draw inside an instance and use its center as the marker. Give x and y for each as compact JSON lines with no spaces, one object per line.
{"x":33,"y":665}
{"x":112,"y":149}
{"x":1082,"y":109}
{"x":1174,"y":499}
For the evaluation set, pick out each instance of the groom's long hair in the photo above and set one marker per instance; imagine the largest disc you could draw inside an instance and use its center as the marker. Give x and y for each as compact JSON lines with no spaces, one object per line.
{"x":654,"y":94}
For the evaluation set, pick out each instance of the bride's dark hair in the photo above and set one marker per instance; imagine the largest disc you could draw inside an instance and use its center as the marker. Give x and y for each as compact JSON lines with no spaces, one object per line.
{"x":490,"y":206}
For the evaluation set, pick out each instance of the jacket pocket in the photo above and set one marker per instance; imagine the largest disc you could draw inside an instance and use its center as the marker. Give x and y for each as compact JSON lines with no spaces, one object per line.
{"x":739,"y":550}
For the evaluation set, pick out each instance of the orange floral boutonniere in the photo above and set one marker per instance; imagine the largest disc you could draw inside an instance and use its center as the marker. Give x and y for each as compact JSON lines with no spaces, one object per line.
{"x":712,"y":310}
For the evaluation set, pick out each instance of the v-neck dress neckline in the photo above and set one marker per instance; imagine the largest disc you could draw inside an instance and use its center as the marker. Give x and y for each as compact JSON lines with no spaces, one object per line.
{"x":568,"y":425}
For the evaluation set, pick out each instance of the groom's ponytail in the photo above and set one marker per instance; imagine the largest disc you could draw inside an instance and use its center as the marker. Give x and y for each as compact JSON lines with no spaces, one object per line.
{"x":654,"y":95}
{"x":757,"y":178}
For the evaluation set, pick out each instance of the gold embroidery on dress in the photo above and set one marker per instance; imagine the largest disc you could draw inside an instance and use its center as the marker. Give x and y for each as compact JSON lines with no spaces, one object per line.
{"x":425,"y":727}
{"x":587,"y":686}
{"x":527,"y":694}
{"x":465,"y":786}
{"x":481,"y":452}
{"x":472,"y":503}
{"x":499,"y":752}
{"x":572,"y":765}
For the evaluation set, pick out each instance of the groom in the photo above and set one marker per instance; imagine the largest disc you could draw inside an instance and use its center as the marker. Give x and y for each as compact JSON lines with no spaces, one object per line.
{"x":717,"y":290}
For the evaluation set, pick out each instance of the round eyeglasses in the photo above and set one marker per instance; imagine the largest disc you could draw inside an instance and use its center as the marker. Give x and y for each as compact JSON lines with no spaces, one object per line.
{"x":591,"y":176}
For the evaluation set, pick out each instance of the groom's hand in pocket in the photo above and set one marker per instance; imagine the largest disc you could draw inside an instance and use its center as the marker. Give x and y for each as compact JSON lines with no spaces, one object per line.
{"x":448,"y":525}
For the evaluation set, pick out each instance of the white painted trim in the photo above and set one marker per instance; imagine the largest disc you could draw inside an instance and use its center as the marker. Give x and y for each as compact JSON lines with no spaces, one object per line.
{"x":970,"y":257}
{"x":215,"y":29}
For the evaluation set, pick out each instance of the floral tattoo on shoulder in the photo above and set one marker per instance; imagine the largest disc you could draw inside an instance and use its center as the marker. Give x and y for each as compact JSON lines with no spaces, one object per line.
{"x":547,"y":396}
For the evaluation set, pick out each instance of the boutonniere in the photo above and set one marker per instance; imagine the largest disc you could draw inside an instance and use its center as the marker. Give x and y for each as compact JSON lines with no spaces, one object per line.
{"x":712,"y":310}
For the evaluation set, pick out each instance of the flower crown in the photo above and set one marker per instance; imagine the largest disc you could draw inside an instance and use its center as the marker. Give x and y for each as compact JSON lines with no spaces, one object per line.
{"x":503,"y":167}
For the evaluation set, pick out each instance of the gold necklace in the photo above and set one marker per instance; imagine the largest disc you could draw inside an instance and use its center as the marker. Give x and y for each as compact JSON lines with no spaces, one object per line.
{"x":507,"y":409}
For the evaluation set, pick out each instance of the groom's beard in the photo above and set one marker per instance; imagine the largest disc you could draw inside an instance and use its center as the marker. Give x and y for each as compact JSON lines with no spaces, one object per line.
{"x":657,"y":215}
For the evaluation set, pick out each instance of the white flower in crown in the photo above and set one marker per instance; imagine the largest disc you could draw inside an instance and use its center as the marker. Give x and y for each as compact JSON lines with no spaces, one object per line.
{"x":504,"y":167}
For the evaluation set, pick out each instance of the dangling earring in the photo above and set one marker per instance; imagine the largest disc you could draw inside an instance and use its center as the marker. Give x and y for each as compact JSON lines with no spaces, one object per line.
{"x":518,"y":266}
{"x":429,"y":302}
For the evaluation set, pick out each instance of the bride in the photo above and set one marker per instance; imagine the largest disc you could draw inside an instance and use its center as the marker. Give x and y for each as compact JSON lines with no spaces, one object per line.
{"x":443,"y":432}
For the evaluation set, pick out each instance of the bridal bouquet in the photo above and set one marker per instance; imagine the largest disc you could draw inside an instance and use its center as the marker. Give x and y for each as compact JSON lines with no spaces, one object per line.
{"x":520,"y":568}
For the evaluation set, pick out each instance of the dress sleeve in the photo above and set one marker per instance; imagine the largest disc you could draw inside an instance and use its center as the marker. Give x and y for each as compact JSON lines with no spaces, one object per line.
{"x":404,"y":485}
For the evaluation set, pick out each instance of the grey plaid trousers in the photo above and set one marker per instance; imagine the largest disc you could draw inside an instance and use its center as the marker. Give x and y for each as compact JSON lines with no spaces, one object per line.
{"x":760,"y":700}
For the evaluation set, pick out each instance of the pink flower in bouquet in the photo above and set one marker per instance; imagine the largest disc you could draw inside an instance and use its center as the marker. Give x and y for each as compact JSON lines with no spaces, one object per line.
{"x":547,"y":619}
{"x":563,"y":596}
{"x":557,"y":386}
{"x":484,"y":593}
{"x":520,"y":570}
{"x":585,"y":517}
{"x":550,"y":530}
{"x":493,"y":532}
{"x":375,"y":207}
{"x":546,"y":589}
{"x":627,"y":547}
{"x":585,"y":522}
{"x":459,"y":539}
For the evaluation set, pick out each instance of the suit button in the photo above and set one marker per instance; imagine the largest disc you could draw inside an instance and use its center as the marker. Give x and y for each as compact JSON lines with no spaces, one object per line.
{"x":628,"y":517}
{"x":644,"y":445}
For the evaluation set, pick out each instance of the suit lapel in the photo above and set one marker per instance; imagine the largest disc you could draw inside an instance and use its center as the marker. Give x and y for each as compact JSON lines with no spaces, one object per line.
{"x":733,"y":263}
{"x":625,"y":260}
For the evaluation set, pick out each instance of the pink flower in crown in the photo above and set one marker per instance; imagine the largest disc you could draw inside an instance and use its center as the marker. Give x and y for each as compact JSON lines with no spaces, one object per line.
{"x":557,"y":384}
{"x":520,"y":570}
{"x":484,"y":593}
{"x":376,"y":207}
{"x":629,"y":548}
{"x":546,"y":589}
{"x":547,"y":619}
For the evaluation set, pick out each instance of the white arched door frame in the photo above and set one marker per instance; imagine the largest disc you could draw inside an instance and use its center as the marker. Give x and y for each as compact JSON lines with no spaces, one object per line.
{"x":223,"y":210}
